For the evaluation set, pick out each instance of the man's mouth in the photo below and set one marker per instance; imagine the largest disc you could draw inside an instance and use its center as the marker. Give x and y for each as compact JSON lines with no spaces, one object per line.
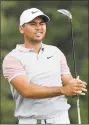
{"x":39,"y":33}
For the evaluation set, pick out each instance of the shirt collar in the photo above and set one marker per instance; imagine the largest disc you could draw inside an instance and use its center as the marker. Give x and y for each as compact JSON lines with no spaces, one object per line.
{"x":23,"y":49}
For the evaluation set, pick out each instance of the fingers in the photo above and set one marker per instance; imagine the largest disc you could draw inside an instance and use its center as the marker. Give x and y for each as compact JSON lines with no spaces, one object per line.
{"x":81,"y":91}
{"x":80,"y":81}
{"x":77,"y":78}
{"x":81,"y":85}
{"x":76,"y":87}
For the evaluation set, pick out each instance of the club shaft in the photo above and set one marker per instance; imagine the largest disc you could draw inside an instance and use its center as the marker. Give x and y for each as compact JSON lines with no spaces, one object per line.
{"x":73,"y":50}
{"x":78,"y":110}
{"x":75,"y":71}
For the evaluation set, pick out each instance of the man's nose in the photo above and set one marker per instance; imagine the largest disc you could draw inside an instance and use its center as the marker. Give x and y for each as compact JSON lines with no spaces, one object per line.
{"x":38,"y":26}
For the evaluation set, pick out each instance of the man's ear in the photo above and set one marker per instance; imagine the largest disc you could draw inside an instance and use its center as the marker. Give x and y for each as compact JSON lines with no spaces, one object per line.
{"x":21,"y":29}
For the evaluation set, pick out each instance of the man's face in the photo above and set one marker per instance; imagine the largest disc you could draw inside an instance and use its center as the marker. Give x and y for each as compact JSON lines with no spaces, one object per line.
{"x":34,"y":31}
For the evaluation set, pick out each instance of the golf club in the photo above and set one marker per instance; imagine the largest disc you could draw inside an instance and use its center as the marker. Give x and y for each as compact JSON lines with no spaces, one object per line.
{"x":69,"y":15}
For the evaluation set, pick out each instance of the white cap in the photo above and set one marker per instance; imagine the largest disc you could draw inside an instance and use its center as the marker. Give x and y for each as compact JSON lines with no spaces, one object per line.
{"x":29,"y":14}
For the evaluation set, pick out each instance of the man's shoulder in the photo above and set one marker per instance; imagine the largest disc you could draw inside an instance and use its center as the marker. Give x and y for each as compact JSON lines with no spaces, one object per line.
{"x":50,"y":47}
{"x":12,"y":53}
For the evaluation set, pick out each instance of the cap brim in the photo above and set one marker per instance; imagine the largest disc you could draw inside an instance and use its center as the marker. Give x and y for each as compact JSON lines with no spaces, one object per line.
{"x":45,"y":18}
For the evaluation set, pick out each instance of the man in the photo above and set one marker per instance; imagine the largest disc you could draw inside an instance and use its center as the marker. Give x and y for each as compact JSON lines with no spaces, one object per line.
{"x":39,"y":76}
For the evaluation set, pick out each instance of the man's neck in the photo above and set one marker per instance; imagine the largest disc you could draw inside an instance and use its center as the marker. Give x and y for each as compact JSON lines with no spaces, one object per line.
{"x":36,"y":46}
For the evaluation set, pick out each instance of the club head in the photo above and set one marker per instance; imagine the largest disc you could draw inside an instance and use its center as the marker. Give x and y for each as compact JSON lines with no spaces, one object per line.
{"x":65,"y":12}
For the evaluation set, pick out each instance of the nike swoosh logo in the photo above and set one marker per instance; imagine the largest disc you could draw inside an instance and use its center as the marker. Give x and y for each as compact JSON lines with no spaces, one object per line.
{"x":49,"y":57}
{"x":34,"y":12}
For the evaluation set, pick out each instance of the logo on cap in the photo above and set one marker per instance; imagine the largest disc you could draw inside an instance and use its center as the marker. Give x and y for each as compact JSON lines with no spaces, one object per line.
{"x":34,"y":12}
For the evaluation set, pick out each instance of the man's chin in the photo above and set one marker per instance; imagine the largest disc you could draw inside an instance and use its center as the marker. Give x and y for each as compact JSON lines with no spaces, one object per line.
{"x":37,"y":41}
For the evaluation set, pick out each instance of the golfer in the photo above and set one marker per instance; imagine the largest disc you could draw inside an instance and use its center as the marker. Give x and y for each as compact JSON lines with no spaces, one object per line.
{"x":38,"y":75}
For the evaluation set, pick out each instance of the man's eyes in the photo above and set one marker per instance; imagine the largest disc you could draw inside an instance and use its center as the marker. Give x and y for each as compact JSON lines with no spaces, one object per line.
{"x":35,"y":24}
{"x":32,"y":23}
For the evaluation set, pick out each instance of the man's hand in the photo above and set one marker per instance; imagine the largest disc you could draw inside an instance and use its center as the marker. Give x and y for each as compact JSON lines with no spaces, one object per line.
{"x":75,"y":86}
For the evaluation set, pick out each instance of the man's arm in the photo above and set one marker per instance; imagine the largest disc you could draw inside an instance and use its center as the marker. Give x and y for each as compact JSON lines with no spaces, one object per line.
{"x":14,"y":72}
{"x":31,"y":90}
{"x":78,"y":85}
{"x":66,"y":79}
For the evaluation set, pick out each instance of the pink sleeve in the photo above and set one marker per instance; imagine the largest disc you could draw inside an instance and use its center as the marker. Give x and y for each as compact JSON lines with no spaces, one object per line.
{"x":12,"y":68}
{"x":64,"y":65}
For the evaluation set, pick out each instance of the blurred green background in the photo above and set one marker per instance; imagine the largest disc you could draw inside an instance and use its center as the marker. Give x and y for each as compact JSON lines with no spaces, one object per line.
{"x":58,"y":34}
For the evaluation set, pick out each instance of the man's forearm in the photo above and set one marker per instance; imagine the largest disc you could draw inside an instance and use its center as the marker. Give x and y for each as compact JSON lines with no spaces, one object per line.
{"x":37,"y":91}
{"x":31,"y":90}
{"x":66,"y":79}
